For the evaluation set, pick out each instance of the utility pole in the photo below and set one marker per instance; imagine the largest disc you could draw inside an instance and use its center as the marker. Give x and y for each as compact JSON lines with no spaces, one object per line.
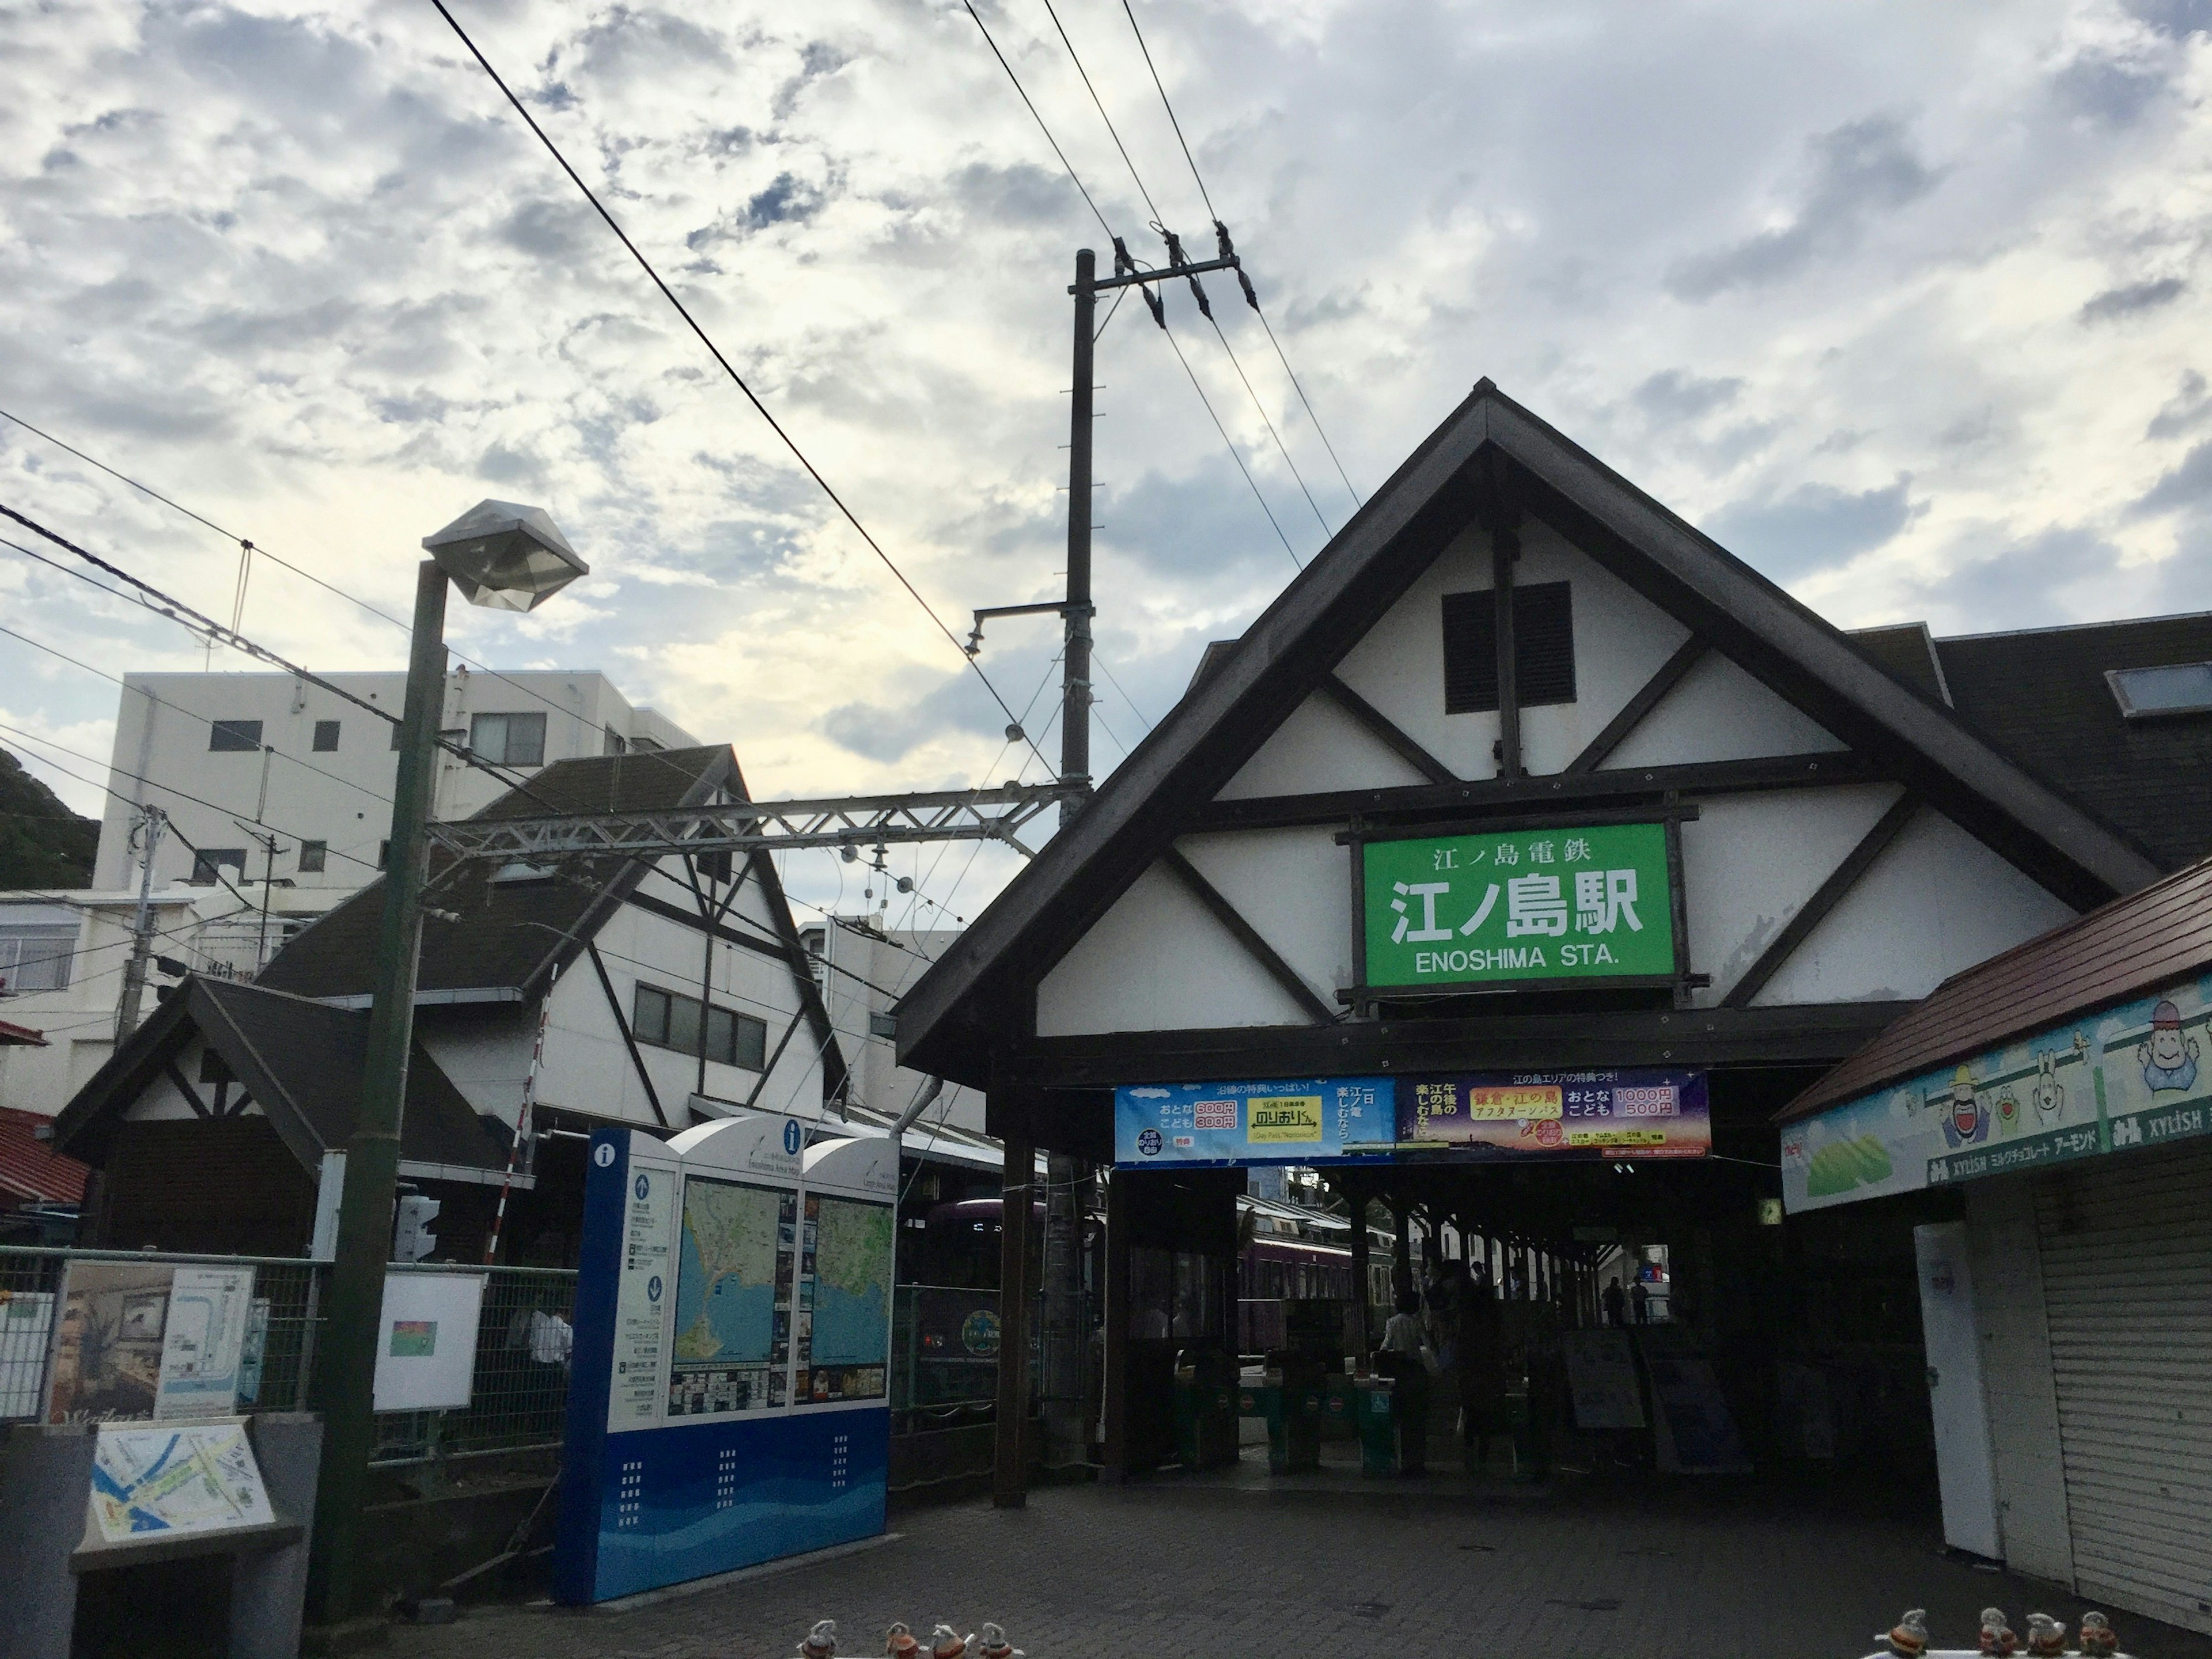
{"x":151,"y":822}
{"x":1075,"y":664}
{"x":267,"y":842}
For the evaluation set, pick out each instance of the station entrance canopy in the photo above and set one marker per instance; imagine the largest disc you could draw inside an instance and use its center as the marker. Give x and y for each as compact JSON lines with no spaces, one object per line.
{"x":1483,"y":1117}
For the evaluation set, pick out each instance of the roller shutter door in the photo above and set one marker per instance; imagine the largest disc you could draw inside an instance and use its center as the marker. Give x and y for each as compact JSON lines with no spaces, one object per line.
{"x":2127,"y":1277}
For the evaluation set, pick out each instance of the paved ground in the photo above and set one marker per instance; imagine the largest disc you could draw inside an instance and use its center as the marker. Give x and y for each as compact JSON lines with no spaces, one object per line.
{"x":1172,"y":1570}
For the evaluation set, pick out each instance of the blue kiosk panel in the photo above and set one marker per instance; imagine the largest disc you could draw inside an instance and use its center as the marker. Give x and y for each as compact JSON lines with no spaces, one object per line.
{"x":700,"y":1438}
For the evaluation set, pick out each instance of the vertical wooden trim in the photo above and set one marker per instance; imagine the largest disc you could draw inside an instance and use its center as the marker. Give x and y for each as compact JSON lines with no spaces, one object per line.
{"x":1392,"y":737}
{"x":621,"y":1024}
{"x":1687,"y":656}
{"x":1355,"y":846}
{"x":1678,"y":903}
{"x":1354,"y":1188}
{"x":1009,"y":1456}
{"x":191,"y":1095}
{"x":1115,"y":1454}
{"x":1824,"y":898}
{"x":1504,"y":552}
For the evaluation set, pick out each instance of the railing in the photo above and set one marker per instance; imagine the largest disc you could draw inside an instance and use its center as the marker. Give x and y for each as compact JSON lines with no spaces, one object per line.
{"x":944,"y":1357}
{"x":519,"y":1386}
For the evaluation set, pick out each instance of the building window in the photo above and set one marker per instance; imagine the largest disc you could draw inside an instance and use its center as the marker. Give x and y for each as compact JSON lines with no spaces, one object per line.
{"x":615,"y":746}
{"x":327,"y":737}
{"x":209,"y":863}
{"x":234,"y":736}
{"x":667,"y":1020}
{"x":312,"y":856}
{"x":1543,"y":647}
{"x":35,"y":953}
{"x":715,"y":867}
{"x":646,"y":745}
{"x":508,"y":739}
{"x":2164,"y":692}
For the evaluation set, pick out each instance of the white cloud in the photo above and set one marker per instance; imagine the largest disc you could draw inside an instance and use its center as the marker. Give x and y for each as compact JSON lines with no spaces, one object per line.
{"x":1909,"y":296}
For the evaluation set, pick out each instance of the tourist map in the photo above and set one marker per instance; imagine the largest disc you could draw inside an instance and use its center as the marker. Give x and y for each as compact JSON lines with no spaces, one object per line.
{"x":852,"y":1282}
{"x":195,"y":1478}
{"x":725,"y":1278}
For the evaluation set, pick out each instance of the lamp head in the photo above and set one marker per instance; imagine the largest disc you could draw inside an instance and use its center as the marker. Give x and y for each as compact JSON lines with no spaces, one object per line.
{"x":506,"y":556}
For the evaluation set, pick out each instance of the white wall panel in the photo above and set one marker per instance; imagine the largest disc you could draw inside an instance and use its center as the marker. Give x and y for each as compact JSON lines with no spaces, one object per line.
{"x":488,"y":1060}
{"x":1399,"y":664}
{"x":1318,"y":747}
{"x":1157,"y":961}
{"x":1718,"y":712}
{"x":1749,"y":862}
{"x":1936,"y":902}
{"x":2017,"y":1376}
{"x":1294,"y":886}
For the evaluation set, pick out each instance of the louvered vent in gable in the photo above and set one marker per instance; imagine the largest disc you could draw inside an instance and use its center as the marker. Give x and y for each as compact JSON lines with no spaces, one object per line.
{"x":1543,"y":647}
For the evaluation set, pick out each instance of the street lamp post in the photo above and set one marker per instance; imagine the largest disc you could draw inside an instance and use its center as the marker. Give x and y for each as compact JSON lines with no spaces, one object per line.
{"x":513,"y":558}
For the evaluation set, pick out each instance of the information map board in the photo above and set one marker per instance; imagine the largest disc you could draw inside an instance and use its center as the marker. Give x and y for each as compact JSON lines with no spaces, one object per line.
{"x":730,"y":1398}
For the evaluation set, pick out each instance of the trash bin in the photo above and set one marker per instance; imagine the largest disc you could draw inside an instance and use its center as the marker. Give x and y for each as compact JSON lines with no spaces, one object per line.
{"x":1378,"y":1411}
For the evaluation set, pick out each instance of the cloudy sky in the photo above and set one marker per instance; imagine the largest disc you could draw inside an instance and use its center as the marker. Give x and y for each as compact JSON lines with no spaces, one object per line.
{"x":1899,"y":302}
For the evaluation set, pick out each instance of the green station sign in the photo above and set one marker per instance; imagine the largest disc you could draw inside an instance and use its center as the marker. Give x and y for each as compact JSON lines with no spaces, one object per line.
{"x":1590,"y":903}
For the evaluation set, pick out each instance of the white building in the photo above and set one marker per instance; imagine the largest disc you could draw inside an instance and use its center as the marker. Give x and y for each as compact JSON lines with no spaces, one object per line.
{"x":231,"y":757}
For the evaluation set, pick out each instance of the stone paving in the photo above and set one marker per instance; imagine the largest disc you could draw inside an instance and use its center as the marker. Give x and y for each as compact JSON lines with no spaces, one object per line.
{"x":1171,"y":1569}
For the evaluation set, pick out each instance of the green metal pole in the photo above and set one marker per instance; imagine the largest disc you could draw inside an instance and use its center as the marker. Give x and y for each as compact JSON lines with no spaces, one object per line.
{"x":346,"y":1360}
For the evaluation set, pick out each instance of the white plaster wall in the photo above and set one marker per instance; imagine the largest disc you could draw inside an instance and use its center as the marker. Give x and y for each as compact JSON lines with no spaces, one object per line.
{"x":1157,"y":961}
{"x":486,"y":1057}
{"x":1318,"y":747}
{"x":1294,"y":886}
{"x":1718,"y":712}
{"x":1749,"y":862}
{"x":162,"y":1101}
{"x":2017,"y":1378}
{"x":1935,"y":903}
{"x":1620,"y":640}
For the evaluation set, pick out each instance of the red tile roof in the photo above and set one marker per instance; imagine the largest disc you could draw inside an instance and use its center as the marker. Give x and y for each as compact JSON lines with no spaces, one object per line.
{"x":20,"y":1036}
{"x":2160,"y":933}
{"x":30,"y":1169}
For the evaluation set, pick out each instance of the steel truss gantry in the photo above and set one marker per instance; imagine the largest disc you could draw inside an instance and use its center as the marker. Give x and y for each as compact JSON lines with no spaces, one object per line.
{"x":767,"y":826}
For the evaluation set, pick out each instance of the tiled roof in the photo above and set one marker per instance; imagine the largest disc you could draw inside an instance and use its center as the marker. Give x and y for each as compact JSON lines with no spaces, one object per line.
{"x":31,"y":1170}
{"x":509,"y":931}
{"x":2148,"y":938}
{"x":2042,"y":697}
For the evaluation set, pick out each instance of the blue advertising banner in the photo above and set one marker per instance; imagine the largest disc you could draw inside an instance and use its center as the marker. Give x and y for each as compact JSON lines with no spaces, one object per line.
{"x":1302,"y":1120}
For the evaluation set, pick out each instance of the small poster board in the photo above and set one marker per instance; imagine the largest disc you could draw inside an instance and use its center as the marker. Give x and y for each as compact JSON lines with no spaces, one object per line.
{"x":203,"y":1344}
{"x":108,"y":1341}
{"x":27,"y":1330}
{"x":149,"y":1480}
{"x":1602,"y":1375}
{"x":426,"y":1340}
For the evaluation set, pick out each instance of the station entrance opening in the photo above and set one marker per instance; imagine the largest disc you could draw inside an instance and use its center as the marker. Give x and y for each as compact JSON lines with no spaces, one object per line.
{"x":1496,"y":1277}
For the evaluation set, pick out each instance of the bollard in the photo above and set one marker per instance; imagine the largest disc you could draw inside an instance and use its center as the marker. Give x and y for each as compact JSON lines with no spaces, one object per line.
{"x":821,"y":1641}
{"x":899,"y":1641}
{"x":946,"y":1643}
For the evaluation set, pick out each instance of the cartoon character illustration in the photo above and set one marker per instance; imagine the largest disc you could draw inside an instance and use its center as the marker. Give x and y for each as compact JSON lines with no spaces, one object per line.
{"x":1968,"y":1120}
{"x":2169,"y":1059}
{"x":2007,"y":1111}
{"x":2047,"y":1092}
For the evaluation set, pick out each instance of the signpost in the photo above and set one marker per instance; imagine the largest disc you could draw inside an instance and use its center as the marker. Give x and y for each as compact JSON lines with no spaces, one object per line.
{"x":1520,"y":909}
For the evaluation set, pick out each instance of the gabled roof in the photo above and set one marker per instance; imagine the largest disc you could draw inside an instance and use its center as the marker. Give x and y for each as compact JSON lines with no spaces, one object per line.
{"x":2041,"y":696}
{"x":511,"y":934}
{"x":1489,"y":450}
{"x":2128,"y":947}
{"x":300,"y":1061}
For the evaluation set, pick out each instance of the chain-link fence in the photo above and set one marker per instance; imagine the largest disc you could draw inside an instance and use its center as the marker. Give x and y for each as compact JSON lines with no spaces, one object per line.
{"x":112,"y":1309}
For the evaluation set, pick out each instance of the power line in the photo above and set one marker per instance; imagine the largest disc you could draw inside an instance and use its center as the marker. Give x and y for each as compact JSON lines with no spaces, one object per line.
{"x":1205,"y":196}
{"x":1117,"y":240}
{"x":1124,"y":691}
{"x":1149,"y":205}
{"x":669,"y":295}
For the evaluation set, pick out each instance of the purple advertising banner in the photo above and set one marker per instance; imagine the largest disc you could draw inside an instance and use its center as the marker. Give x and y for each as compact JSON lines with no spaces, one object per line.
{"x":1557,"y":1116}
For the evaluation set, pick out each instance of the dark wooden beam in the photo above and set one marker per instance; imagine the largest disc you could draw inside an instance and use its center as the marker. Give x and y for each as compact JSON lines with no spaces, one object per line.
{"x":621,"y":1024}
{"x":1114,"y":1453}
{"x":191,"y":1095}
{"x":1813,"y":1035}
{"x":1505,"y":553}
{"x":1826,"y":897}
{"x":675,"y":912}
{"x":1247,"y":936}
{"x":753,"y":1099}
{"x":1392,"y":737}
{"x":1526,"y":794}
{"x":1632,"y":711}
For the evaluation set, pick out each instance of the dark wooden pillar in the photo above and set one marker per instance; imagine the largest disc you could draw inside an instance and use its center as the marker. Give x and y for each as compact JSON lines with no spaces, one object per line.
{"x":1402,"y":1266}
{"x":1010,"y":1474}
{"x":1115,"y":1384}
{"x":1355,"y":1193}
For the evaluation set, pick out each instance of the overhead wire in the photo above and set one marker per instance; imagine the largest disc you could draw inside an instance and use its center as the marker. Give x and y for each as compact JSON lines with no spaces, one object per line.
{"x":1206,"y":196}
{"x":715,"y":351}
{"x":1158,"y":315}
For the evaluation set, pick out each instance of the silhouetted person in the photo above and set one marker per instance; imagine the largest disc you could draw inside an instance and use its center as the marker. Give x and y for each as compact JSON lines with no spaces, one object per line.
{"x":1640,"y":1298}
{"x":1616,"y":1302}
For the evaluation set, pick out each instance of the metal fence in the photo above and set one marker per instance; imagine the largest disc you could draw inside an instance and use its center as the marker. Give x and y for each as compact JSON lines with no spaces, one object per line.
{"x":518,"y":1389}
